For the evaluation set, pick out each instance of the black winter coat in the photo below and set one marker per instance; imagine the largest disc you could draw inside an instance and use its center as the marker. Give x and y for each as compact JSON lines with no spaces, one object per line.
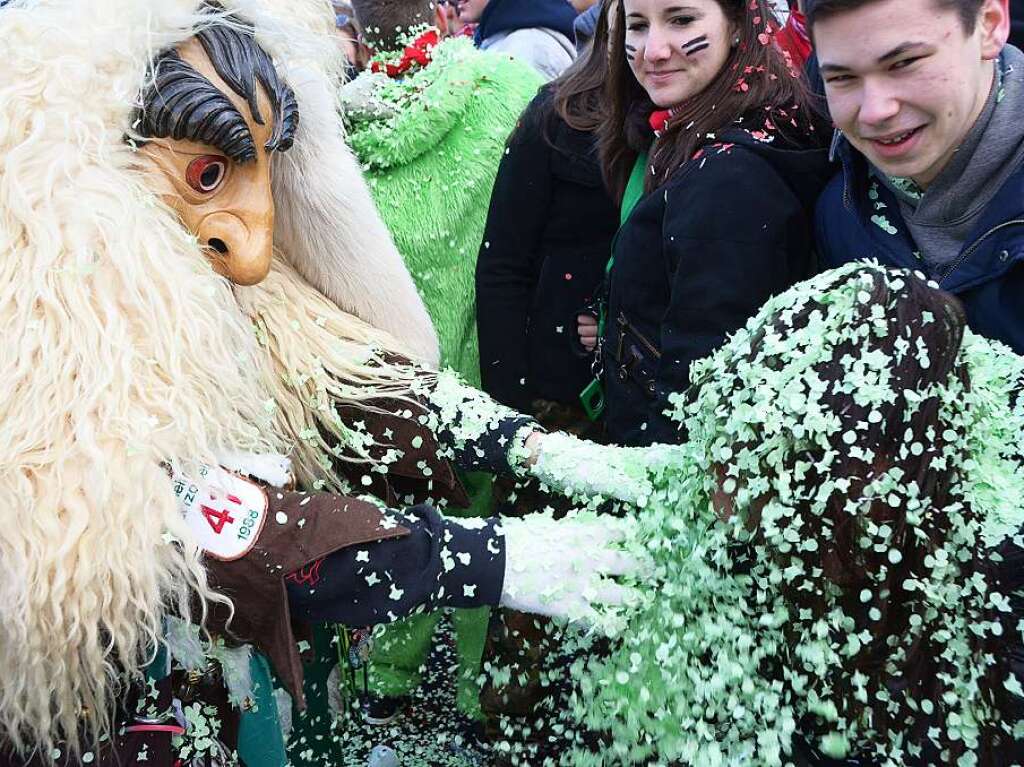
{"x":696,"y":258}
{"x":1017,"y":23}
{"x":547,"y":241}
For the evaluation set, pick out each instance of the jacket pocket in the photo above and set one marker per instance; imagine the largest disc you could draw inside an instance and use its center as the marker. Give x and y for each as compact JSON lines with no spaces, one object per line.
{"x":635,"y":355}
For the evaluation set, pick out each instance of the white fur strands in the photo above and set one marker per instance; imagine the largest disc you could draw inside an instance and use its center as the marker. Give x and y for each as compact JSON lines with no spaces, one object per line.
{"x":326,"y":223}
{"x":123,"y":350}
{"x":329,"y":228}
{"x":319,"y":358}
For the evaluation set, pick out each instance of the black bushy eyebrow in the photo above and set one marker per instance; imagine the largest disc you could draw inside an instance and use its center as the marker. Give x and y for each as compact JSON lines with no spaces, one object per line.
{"x":182,"y":104}
{"x":241,"y":62}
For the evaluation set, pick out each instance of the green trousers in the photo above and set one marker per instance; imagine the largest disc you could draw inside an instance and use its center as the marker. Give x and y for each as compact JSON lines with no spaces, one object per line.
{"x":396,"y":665}
{"x":313,"y":741}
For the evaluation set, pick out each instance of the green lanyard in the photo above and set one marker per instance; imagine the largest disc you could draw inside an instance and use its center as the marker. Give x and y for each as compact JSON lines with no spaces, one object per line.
{"x":592,"y":397}
{"x":634,"y":190}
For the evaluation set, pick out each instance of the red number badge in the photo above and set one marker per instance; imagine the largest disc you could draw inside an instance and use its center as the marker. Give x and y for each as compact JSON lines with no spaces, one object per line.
{"x":226,"y":513}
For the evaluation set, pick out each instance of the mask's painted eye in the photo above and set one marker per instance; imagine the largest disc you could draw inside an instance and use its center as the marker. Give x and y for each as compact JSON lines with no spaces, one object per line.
{"x":205,"y":173}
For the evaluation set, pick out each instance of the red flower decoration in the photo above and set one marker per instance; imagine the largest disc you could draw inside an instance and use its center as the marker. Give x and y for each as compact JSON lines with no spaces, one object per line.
{"x":418,"y":53}
{"x":659,"y":119}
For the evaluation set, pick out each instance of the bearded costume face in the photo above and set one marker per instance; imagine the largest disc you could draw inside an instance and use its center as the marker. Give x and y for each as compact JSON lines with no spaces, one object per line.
{"x":133,"y":345}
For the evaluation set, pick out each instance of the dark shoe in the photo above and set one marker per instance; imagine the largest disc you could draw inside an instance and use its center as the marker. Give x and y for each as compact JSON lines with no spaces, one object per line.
{"x":383,"y":709}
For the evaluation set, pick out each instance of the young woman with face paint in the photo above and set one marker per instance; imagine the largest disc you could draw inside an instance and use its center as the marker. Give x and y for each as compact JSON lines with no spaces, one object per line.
{"x":711,"y":146}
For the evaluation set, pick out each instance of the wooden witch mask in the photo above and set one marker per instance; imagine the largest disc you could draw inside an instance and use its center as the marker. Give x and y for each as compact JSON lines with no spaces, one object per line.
{"x":214,"y":113}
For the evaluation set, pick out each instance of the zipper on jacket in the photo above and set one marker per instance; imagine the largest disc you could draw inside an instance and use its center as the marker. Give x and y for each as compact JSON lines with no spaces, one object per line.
{"x":625,"y":325}
{"x":833,"y":151}
{"x":974,"y":247}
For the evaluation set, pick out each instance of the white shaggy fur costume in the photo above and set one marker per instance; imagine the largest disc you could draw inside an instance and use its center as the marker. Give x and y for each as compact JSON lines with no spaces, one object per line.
{"x":124,"y":352}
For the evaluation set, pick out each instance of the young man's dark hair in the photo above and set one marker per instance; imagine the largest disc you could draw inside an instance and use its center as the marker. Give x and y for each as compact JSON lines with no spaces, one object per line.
{"x":818,"y":9}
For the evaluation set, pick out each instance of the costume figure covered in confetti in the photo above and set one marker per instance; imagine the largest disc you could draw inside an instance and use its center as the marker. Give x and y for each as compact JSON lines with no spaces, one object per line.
{"x":841,"y":546}
{"x":194,"y":277}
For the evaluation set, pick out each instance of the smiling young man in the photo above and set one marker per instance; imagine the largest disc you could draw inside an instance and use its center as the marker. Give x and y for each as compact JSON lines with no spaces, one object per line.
{"x":927,"y":96}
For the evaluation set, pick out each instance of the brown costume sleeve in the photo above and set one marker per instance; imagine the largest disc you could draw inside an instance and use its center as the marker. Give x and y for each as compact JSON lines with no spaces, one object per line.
{"x":299,"y":528}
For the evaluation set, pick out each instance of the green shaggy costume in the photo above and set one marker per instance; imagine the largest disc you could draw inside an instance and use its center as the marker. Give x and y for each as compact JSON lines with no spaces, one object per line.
{"x":430,"y":143}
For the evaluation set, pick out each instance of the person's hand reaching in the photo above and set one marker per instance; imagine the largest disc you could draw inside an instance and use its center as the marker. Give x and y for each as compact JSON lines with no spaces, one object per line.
{"x":567,"y":568}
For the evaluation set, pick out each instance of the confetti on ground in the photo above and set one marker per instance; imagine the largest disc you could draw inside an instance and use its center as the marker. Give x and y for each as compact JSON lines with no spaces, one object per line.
{"x":428,"y":734}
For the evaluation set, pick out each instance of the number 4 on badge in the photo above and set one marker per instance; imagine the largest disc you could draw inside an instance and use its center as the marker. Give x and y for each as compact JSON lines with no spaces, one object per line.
{"x":218,"y":519}
{"x":226,"y":518}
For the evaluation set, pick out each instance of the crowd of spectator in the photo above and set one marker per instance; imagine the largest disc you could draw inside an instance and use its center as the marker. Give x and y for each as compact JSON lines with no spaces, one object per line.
{"x":593,"y":196}
{"x":685,"y":162}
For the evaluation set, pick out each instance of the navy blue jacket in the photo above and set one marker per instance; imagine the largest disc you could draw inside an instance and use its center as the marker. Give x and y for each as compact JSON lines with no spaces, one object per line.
{"x":510,"y":15}
{"x":988,"y":275}
{"x":383,"y":581}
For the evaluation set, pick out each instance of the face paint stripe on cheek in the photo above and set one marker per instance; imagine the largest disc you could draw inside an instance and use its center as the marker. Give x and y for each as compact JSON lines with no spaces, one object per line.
{"x":696,"y":45}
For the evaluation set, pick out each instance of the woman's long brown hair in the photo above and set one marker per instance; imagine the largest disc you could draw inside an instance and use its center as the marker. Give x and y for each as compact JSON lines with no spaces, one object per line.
{"x":922,"y":317}
{"x":579,"y":92}
{"x":755,"y":84}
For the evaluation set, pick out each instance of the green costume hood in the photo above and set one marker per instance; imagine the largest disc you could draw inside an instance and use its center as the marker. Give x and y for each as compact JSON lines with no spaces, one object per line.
{"x":400,"y":120}
{"x":430,"y":144}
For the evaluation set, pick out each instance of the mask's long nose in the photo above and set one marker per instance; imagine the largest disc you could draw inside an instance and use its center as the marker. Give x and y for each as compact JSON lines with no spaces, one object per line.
{"x":240,"y":252}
